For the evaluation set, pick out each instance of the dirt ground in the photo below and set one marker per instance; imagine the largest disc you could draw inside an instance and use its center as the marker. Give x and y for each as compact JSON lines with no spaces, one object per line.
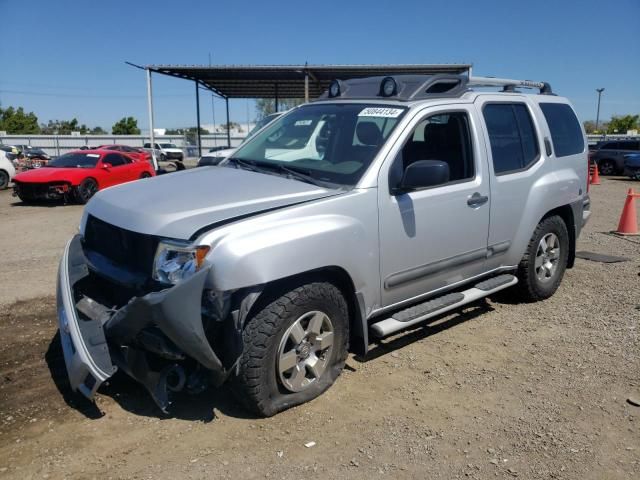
{"x":499,"y":390}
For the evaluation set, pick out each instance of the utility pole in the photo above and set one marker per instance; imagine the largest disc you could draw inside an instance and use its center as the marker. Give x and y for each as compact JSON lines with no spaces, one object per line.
{"x":599,"y":90}
{"x":213,"y":112}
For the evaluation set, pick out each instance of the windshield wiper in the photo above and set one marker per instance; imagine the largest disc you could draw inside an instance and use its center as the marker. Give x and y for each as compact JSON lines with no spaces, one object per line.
{"x":298,"y":174}
{"x":246,"y":164}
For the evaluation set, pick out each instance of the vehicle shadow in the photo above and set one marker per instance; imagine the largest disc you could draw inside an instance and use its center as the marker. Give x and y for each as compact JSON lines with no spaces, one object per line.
{"x":132,"y":396}
{"x":437,"y":325}
{"x":54,"y":359}
{"x":43,"y":203}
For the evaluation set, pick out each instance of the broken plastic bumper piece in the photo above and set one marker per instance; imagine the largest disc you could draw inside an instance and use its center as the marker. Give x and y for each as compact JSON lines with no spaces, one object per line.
{"x":97,"y":340}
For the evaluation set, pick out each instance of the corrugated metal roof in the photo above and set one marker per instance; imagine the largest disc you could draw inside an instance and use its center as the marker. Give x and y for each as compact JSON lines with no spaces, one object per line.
{"x":287,"y":81}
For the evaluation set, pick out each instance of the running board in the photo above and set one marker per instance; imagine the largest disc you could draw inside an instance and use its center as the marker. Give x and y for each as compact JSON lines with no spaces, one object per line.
{"x":450,"y":301}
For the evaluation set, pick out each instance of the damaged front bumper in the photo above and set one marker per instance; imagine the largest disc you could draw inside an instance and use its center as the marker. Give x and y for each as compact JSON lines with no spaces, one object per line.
{"x":158,"y":338}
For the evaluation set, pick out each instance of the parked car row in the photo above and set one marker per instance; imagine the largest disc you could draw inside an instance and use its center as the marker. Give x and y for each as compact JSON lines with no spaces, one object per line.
{"x":610,"y":155}
{"x":78,"y":175}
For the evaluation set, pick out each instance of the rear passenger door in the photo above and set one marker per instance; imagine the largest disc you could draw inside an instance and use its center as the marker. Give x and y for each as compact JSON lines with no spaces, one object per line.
{"x":516,"y":155}
{"x":120,"y":170}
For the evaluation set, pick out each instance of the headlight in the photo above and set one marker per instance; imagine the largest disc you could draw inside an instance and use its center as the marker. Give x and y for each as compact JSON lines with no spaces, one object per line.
{"x":175,"y":262}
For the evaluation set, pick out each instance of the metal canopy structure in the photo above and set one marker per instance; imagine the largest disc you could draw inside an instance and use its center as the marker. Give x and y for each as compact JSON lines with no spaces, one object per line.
{"x":289,"y":81}
{"x":276,"y":81}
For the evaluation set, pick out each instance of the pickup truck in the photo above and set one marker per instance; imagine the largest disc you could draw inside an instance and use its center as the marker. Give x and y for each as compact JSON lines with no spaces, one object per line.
{"x":417,"y":196}
{"x":165,"y":151}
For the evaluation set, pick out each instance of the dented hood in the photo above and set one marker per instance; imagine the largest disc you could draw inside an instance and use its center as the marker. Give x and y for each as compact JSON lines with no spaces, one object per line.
{"x":177,"y":205}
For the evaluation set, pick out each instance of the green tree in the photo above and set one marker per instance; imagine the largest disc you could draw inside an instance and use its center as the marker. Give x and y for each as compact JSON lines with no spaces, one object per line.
{"x":64,"y":127}
{"x":126,"y":126}
{"x":589,"y":126}
{"x":16,"y":121}
{"x":98,"y":131}
{"x":620,"y":124}
{"x":266,"y":106}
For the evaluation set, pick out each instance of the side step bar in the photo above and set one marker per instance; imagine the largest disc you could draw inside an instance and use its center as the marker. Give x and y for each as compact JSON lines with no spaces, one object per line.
{"x":450,"y":301}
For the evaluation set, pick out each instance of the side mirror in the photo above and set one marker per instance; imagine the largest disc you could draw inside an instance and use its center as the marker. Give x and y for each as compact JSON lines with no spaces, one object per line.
{"x":106,"y":166}
{"x":423,"y":174}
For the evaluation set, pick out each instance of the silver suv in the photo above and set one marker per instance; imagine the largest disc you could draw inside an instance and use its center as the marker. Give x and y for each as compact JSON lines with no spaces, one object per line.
{"x":378,"y":207}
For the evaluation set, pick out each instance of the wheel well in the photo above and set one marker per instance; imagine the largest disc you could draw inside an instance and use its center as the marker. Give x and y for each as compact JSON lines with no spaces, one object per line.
{"x":332,"y":274}
{"x":566,"y":213}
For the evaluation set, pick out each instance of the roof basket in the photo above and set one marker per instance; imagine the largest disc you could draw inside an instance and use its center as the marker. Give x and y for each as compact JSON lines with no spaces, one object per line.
{"x":509,"y":85}
{"x":406,"y":87}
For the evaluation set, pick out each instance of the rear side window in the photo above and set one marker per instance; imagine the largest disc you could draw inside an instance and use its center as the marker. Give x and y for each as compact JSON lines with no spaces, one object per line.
{"x":514,"y":143}
{"x":114,"y":159}
{"x":565,"y":129}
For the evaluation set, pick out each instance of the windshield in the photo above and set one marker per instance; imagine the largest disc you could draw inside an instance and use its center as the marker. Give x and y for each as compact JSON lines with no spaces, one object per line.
{"x":262,"y":122}
{"x":331,"y":143}
{"x":168,"y":145}
{"x":75,"y":160}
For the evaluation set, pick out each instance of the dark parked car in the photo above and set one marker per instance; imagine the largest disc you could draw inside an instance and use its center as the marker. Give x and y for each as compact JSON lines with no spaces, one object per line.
{"x":632,"y":166}
{"x":609,"y":155}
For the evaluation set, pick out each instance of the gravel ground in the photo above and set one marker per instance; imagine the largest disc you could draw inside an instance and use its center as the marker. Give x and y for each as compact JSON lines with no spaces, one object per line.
{"x":498,"y":390}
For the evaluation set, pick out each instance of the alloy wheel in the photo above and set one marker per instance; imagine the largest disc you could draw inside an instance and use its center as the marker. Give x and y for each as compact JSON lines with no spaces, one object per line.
{"x":305,"y":351}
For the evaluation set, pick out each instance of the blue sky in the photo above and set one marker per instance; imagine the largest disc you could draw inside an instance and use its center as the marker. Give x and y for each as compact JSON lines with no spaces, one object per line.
{"x":64,"y":59}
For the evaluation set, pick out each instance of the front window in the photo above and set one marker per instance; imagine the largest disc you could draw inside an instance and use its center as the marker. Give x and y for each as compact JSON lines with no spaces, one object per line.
{"x":75,"y":160}
{"x":168,"y":145}
{"x":329,"y":143}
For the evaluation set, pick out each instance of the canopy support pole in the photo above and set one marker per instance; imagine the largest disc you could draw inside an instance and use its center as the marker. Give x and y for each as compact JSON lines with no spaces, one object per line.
{"x":306,"y":87}
{"x":275,"y":102}
{"x":154,"y":160}
{"x":198,"y":120}
{"x":226,"y":99}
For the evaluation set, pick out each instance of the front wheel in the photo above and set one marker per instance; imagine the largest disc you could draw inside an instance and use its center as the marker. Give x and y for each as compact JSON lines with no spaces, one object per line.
{"x":545,"y":261}
{"x":86,"y":190}
{"x":294,"y":349}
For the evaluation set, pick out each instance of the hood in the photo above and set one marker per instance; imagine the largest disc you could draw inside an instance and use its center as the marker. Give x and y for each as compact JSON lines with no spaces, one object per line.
{"x":177,"y":205}
{"x":47,"y":174}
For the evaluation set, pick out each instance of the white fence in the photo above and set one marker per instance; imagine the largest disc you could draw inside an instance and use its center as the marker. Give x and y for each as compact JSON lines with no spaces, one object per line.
{"x":58,"y":144}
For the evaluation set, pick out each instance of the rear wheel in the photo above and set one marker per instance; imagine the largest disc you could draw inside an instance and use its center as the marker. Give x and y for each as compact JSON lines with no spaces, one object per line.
{"x":145,"y":175}
{"x":163,"y":157}
{"x":545,"y":261}
{"x":294,"y":349}
{"x":606,"y":167}
{"x":86,"y":190}
{"x":4,"y":179}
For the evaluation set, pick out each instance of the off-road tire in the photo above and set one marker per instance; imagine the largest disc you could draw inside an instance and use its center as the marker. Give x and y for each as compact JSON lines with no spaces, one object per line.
{"x":4,"y":179}
{"x":87,"y":189}
{"x":257,"y":384}
{"x":529,"y":287}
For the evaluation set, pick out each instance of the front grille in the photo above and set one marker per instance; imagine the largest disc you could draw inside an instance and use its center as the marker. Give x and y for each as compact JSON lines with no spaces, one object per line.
{"x":33,"y":190}
{"x":131,"y":250}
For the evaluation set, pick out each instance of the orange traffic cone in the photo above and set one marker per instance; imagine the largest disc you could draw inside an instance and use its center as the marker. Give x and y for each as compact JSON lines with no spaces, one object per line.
{"x":595,"y":177}
{"x":628,"y":224}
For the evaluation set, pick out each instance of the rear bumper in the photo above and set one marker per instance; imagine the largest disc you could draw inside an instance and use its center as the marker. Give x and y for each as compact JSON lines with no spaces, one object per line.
{"x":586,"y":210}
{"x":97,"y":340}
{"x":174,"y":155}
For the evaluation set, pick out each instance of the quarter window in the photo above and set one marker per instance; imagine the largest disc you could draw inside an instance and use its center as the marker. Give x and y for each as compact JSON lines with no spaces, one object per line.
{"x":565,"y":129}
{"x":513,"y":139}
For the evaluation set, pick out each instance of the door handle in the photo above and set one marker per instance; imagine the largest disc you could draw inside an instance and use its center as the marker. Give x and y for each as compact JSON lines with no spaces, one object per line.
{"x":477,"y":200}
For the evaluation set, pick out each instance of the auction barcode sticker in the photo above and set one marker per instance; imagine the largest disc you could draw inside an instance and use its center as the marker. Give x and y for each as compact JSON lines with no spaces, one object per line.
{"x":380,"y":112}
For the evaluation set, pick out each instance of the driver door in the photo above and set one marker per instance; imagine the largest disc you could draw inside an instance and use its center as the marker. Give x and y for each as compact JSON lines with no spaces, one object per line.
{"x":437,"y":236}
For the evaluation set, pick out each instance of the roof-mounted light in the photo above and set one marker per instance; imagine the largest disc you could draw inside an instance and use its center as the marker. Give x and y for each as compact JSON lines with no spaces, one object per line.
{"x":388,"y":87}
{"x":335,"y":89}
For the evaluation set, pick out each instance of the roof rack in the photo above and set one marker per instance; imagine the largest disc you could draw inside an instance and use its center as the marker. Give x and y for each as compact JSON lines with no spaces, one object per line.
{"x":509,"y":85}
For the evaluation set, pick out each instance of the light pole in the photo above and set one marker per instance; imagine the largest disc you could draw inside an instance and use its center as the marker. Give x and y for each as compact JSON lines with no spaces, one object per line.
{"x":599,"y":90}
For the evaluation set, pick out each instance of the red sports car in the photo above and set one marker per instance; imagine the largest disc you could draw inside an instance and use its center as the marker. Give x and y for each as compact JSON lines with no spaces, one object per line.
{"x":133,"y":152}
{"x":79,"y":175}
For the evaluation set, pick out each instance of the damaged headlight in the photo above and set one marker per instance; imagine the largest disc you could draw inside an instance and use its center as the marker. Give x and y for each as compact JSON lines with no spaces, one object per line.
{"x":175,"y":261}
